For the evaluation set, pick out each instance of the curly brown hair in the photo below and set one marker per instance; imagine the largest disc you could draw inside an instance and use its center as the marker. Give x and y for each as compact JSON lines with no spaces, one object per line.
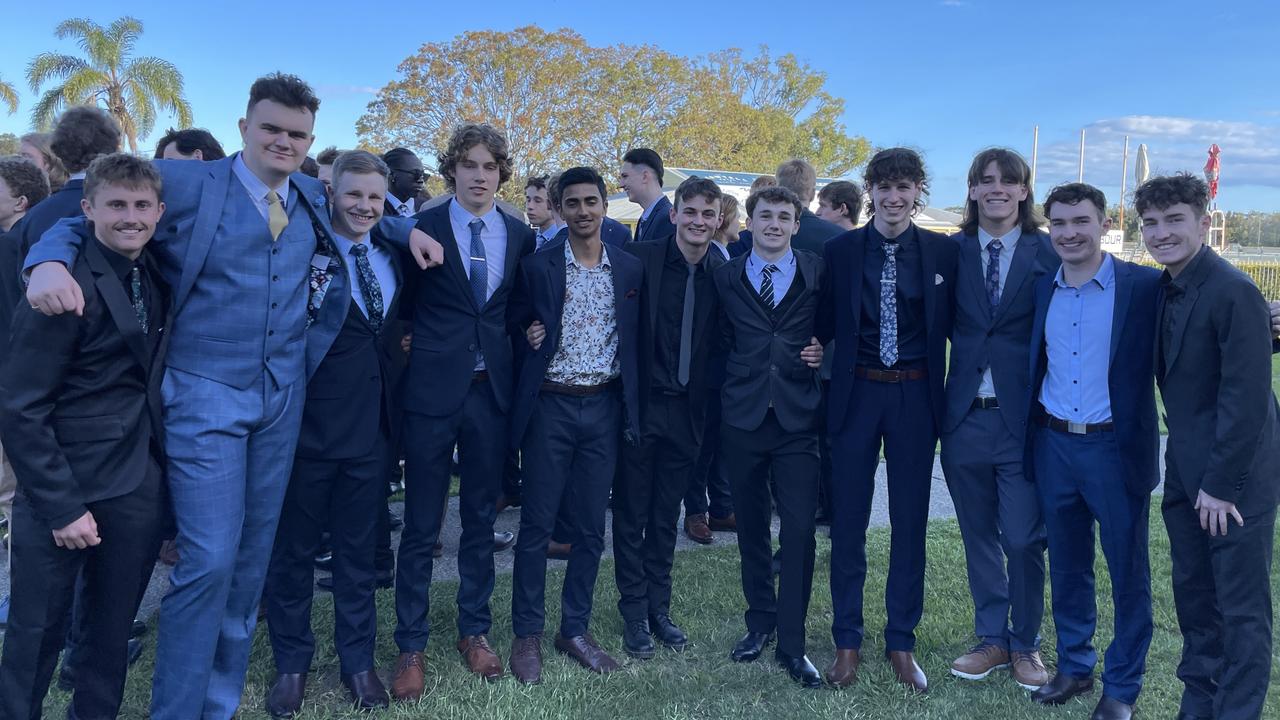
{"x":1162,"y":192}
{"x":898,"y":163}
{"x":468,"y":136}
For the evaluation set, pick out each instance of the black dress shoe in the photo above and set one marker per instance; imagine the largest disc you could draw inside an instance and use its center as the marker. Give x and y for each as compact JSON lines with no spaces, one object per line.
{"x":1062,"y":688}
{"x":284,"y":700}
{"x":503,"y":540}
{"x":138,"y":630}
{"x":66,"y":678}
{"x":367,"y":690}
{"x":800,"y":669}
{"x":749,"y":647}
{"x":1189,"y":716}
{"x":135,"y":650}
{"x":667,"y":632}
{"x":324,"y":561}
{"x":636,"y":641}
{"x":1110,"y":708}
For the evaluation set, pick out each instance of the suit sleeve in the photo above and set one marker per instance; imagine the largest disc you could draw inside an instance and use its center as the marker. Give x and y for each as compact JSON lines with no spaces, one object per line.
{"x":60,"y":243}
{"x":44,"y":348}
{"x":824,"y":326}
{"x":396,"y":230}
{"x":1241,"y":321}
{"x":520,"y":310}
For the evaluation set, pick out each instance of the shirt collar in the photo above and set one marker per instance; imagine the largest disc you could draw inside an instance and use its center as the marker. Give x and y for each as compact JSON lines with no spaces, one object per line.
{"x":758,"y":263}
{"x":649,"y":210}
{"x":1184,"y":278}
{"x":1007,"y":241}
{"x":120,"y":264}
{"x":397,"y":202}
{"x":906,"y":237}
{"x":345,"y":244}
{"x":77,"y":176}
{"x":464,"y":217}
{"x":1105,"y":276}
{"x":571,"y":261}
{"x":258,"y":189}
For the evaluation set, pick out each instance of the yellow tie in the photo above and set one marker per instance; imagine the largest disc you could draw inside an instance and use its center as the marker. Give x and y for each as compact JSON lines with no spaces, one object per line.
{"x":277,"y":220}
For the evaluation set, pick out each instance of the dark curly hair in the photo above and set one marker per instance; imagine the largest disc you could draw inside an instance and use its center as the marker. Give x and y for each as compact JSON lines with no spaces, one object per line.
{"x":1165,"y":191}
{"x":24,"y":178}
{"x":898,"y":163}
{"x":1073,"y":194}
{"x":468,"y":136}
{"x":288,"y":90}
{"x":83,"y":133}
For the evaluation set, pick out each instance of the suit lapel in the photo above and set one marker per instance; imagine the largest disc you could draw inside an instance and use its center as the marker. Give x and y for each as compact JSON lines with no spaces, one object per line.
{"x":213,"y":196}
{"x":804,"y":271}
{"x":928,"y":265}
{"x":702,"y":310}
{"x":511,"y":262}
{"x":118,"y":305}
{"x":972,"y":271}
{"x":442,"y":229}
{"x":1124,"y":290}
{"x":742,"y":286}
{"x":654,"y":263}
{"x":1024,"y":256}
{"x":857,"y":256}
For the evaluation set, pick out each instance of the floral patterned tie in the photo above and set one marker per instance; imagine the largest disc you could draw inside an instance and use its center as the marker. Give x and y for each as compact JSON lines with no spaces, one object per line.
{"x":370,"y":290}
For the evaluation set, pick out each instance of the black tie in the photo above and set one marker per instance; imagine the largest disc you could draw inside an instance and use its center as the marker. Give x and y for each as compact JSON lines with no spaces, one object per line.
{"x":686,"y":329}
{"x":139,"y":304}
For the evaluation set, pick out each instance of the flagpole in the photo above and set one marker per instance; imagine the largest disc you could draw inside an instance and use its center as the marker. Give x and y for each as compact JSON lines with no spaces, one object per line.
{"x":1124,"y":176}
{"x":1035,"y":149}
{"x":1081,"y":175}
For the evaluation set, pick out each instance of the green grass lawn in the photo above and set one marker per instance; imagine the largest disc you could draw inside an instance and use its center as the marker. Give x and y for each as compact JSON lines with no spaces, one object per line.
{"x":701,"y":682}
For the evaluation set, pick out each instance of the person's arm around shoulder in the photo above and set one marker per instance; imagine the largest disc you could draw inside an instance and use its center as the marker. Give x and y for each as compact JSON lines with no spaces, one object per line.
{"x":404,"y":234}
{"x":44,"y":349}
{"x":50,"y":287}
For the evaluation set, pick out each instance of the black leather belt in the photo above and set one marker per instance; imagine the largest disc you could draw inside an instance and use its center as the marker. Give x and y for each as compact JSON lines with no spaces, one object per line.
{"x":1074,"y":428}
{"x":576,"y":390}
{"x":480,"y":376}
{"x":889,"y":376}
{"x":985,"y":403}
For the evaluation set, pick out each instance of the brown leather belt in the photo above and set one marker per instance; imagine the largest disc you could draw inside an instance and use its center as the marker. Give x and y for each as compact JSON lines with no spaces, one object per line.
{"x":576,"y":390}
{"x":1074,"y":428}
{"x":480,"y":376}
{"x":985,"y":403}
{"x":889,"y":376}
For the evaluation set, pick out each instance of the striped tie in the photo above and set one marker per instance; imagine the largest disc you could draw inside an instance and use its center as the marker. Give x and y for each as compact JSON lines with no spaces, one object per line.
{"x":766,"y":285}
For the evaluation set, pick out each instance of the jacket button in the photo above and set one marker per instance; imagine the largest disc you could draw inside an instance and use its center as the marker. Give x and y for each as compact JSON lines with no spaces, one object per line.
{"x":471,"y":347}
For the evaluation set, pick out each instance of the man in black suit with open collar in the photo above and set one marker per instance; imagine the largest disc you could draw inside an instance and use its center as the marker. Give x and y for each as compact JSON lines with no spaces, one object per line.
{"x":1222,"y":463}
{"x":577,"y":397}
{"x":770,"y":401}
{"x":680,"y":316}
{"x":344,"y":448}
{"x":641,"y":180}
{"x":458,"y":390}
{"x":891,"y":311}
{"x":82,"y":423}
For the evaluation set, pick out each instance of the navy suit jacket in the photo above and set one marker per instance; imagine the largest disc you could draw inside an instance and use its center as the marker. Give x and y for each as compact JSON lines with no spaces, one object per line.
{"x":1130,"y":376}
{"x":841,"y":314}
{"x":539,"y":295}
{"x":448,"y":328}
{"x":999,"y":340}
{"x":355,"y":392}
{"x":659,"y":224}
{"x":612,"y":233}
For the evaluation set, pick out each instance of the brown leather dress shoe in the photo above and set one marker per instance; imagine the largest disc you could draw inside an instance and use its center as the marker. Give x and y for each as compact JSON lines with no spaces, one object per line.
{"x":526,"y":659}
{"x":844,"y":670}
{"x":587,"y":653}
{"x":724,"y":524}
{"x":559,"y":551}
{"x":284,"y":700}
{"x":908,"y":672}
{"x":479,"y":657}
{"x":695,"y":526}
{"x":367,"y":690}
{"x":409,"y":679}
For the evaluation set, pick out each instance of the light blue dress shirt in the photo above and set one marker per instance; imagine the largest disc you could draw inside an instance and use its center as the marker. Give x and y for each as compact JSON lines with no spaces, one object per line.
{"x":781,"y":279}
{"x":493,"y":237}
{"x":383,"y":270}
{"x":1008,"y":243}
{"x":1077,"y":337}
{"x":257,"y":189}
{"x":410,"y":205}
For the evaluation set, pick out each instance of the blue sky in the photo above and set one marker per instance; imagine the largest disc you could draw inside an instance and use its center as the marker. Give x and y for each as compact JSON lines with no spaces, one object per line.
{"x":948,"y":77}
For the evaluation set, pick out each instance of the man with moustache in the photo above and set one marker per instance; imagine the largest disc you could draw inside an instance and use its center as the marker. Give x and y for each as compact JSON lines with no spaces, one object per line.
{"x":890,"y":311}
{"x":237,"y":246}
{"x":680,"y":313}
{"x":1093,"y":446}
{"x":1221,"y":480}
{"x":1003,"y":254}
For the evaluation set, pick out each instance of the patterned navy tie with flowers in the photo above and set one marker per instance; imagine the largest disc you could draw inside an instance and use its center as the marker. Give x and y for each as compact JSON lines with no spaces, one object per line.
{"x":993,"y":272}
{"x":889,"y":306}
{"x":370,"y":290}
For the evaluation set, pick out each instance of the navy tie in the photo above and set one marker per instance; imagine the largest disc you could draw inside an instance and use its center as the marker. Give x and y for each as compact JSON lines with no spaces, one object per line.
{"x":889,"y":306}
{"x":479,"y":270}
{"x":370,"y":290}
{"x":993,"y":272}
{"x":766,"y":285}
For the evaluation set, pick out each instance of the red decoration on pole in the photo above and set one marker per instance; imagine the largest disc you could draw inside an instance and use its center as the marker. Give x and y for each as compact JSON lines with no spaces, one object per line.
{"x":1212,"y":168}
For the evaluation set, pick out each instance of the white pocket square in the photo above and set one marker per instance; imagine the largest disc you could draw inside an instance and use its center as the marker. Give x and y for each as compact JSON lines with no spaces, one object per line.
{"x":937,"y":279}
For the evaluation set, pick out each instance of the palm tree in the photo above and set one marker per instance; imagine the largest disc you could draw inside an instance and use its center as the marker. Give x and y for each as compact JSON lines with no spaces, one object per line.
{"x":9,"y":95}
{"x":131,"y":88}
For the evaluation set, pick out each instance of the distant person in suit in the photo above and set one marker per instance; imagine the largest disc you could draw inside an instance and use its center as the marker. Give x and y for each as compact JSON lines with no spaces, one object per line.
{"x":35,"y":147}
{"x":890,"y":310}
{"x":23,"y":185}
{"x":459,"y":391}
{"x":82,"y":417}
{"x":538,"y":210}
{"x":1003,"y":254}
{"x":800,"y":178}
{"x":325,"y":160}
{"x":344,"y":447}
{"x":1093,"y":448}
{"x":770,"y":401}
{"x":641,"y":179}
{"x":840,"y":203}
{"x":679,"y":339}
{"x":238,"y":246}
{"x":408,"y":178}
{"x":1222,"y":466}
{"x":577,"y":397}
{"x":189,"y":144}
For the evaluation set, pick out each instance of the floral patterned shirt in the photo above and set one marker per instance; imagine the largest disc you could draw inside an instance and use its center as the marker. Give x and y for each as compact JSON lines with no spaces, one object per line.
{"x":588,"y":351}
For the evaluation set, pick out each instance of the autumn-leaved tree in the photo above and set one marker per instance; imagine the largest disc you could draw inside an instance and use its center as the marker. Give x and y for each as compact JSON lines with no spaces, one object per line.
{"x":133,"y":89}
{"x":9,"y":95}
{"x":562,"y":102}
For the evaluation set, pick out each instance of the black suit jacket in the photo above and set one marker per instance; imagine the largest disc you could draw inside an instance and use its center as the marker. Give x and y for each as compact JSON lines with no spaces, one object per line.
{"x":1224,"y":437}
{"x":1132,"y":393}
{"x":653,"y":256}
{"x":539,"y":295}
{"x":939,"y":256}
{"x":448,"y":328}
{"x":659,"y":224}
{"x":1000,"y":340}
{"x":354,"y":394}
{"x":763,"y":368}
{"x":81,"y":395}
{"x":812,"y":235}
